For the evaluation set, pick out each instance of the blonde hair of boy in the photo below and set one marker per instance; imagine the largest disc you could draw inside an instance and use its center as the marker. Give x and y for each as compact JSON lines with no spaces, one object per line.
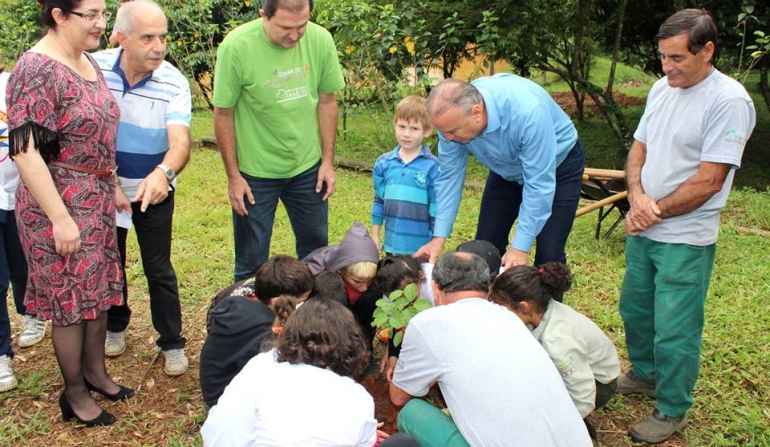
{"x":363,"y":270}
{"x":412,"y":108}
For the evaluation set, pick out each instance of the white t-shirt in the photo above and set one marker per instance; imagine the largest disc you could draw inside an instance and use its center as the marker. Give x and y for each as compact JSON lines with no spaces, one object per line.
{"x":426,"y":286}
{"x":711,"y":122}
{"x":499,"y":384}
{"x":9,"y":174}
{"x":280,"y":404}
{"x":581,"y":352}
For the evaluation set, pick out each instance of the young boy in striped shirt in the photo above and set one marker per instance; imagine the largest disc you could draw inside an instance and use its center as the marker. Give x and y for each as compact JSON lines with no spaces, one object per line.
{"x":404,"y":183}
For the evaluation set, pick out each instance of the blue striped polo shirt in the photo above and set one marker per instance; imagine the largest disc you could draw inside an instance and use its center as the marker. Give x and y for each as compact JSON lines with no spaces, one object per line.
{"x":146,"y":109}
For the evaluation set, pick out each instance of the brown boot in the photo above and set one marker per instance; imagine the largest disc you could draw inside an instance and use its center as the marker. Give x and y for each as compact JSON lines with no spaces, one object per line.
{"x":629,"y":383}
{"x":656,"y":427}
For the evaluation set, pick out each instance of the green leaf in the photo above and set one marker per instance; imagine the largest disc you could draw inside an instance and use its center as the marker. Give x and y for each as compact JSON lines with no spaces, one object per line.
{"x":411,"y":291}
{"x":397,"y":339}
{"x":422,"y":304}
{"x":397,"y":321}
{"x":380,"y":321}
{"x":400,"y":303}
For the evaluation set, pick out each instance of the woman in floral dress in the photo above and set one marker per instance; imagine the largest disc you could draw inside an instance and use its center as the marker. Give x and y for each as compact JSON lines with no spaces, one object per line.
{"x":63,"y":122}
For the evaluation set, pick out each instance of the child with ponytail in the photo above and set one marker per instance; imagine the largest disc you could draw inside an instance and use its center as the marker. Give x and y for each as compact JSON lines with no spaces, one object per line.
{"x":585,"y":357}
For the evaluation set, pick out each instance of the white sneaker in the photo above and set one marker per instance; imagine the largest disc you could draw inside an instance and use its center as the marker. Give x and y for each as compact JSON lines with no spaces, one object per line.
{"x":176,"y":362}
{"x":7,"y":379}
{"x":115,"y":343}
{"x":32,"y":331}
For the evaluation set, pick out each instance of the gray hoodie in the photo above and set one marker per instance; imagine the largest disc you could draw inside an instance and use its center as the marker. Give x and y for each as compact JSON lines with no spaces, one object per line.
{"x":356,"y":246}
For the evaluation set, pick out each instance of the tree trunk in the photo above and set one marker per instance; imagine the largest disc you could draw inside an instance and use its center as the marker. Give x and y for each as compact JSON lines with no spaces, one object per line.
{"x":763,"y":88}
{"x":616,"y":46}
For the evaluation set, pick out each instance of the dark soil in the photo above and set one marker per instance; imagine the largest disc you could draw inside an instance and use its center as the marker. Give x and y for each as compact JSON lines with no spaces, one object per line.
{"x":384,"y":411}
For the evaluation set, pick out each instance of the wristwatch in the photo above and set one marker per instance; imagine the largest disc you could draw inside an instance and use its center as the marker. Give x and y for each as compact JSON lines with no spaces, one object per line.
{"x":168,"y":172}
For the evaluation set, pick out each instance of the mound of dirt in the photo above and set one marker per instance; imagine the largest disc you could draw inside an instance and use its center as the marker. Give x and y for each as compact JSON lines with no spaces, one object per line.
{"x":567,"y":102}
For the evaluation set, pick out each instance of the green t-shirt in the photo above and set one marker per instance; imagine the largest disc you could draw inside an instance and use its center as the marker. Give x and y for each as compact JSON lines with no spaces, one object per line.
{"x":275,"y":91}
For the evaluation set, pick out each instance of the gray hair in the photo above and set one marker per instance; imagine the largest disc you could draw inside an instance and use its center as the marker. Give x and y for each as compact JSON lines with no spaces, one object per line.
{"x":452,"y":93}
{"x":124,"y":19}
{"x":458,"y":272}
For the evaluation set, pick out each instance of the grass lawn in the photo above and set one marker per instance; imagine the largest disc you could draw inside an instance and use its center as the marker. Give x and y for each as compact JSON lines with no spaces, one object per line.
{"x":732,"y":397}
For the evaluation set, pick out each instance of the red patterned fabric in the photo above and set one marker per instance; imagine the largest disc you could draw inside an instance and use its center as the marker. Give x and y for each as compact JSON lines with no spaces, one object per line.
{"x":45,"y":96}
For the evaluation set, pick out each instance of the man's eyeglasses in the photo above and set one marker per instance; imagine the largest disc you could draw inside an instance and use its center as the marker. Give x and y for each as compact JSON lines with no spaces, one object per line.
{"x":93,"y":16}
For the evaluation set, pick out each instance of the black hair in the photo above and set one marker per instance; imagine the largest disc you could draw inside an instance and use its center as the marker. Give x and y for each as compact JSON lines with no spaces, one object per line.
{"x":457,"y":272}
{"x":282,"y":275}
{"x":698,"y":25}
{"x":396,"y":272}
{"x":271,"y":6}
{"x":533,"y":284}
{"x":325,"y":334}
{"x":49,"y":5}
{"x":330,"y":286}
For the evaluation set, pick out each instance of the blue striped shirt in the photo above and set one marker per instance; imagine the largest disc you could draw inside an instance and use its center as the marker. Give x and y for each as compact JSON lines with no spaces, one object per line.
{"x":146,"y":109}
{"x":404,"y":199}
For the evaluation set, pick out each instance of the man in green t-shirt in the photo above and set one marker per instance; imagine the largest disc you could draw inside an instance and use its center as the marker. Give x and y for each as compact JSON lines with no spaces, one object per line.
{"x":275,"y":120}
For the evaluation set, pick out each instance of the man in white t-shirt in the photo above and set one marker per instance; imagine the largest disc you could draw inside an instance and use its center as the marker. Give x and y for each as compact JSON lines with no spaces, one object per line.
{"x":679,"y":171}
{"x":499,"y":384}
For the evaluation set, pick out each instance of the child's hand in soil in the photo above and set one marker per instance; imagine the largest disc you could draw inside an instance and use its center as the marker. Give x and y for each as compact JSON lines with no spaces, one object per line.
{"x":381,"y":435}
{"x":387,"y":366}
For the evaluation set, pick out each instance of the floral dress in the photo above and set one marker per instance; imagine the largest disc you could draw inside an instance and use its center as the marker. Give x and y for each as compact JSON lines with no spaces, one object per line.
{"x":74,"y":121}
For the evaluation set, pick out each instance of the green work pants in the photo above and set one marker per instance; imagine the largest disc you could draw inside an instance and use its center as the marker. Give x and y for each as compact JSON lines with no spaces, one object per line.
{"x":428,"y":425}
{"x":662,"y":305}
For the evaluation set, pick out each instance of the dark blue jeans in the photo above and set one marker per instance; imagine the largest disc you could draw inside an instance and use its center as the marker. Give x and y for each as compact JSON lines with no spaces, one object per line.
{"x":153,"y":233}
{"x":502,"y":199}
{"x":308,"y":214}
{"x":13,"y":271}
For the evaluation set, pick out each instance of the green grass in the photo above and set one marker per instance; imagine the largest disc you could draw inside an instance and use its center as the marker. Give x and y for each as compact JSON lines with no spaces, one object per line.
{"x":732,"y":396}
{"x":629,"y":80}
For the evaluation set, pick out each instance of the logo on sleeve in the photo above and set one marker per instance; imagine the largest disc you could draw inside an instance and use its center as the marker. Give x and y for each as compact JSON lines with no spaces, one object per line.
{"x":566,"y":367}
{"x":733,"y":137}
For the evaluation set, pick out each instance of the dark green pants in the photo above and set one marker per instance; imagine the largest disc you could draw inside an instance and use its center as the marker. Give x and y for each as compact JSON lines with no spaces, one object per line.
{"x":662,"y":305}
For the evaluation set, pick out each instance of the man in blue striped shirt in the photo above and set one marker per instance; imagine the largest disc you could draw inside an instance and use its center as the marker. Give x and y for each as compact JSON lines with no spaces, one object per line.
{"x":153,"y":146}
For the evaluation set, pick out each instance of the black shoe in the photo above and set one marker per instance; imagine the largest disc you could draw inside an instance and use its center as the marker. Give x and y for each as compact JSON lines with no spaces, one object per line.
{"x":68,"y":414}
{"x":591,"y":429}
{"x":123,"y":394}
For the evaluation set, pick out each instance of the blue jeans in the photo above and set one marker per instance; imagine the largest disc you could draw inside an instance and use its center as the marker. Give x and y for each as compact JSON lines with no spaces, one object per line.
{"x":308,"y":214}
{"x":13,"y":270}
{"x":153,"y":233}
{"x":502,"y":199}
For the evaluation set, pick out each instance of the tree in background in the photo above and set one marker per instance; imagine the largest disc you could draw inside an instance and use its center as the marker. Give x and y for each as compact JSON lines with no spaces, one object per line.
{"x":19,"y":27}
{"x":388,"y":49}
{"x":196,"y":28}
